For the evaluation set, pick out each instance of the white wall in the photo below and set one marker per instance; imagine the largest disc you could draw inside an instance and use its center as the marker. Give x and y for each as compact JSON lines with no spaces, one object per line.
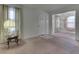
{"x":34,"y":22}
{"x":30,"y":23}
{"x":43,"y":22}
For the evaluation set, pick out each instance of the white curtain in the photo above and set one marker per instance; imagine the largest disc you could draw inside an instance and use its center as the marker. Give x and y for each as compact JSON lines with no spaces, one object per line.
{"x":1,"y":24}
{"x":4,"y":17}
{"x":18,"y":21}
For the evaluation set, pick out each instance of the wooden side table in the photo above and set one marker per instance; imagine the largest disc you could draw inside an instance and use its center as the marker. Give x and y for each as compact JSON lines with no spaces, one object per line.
{"x":9,"y":39}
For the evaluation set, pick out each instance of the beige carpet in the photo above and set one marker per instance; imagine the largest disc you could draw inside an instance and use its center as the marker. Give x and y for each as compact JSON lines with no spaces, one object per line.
{"x":45,"y":44}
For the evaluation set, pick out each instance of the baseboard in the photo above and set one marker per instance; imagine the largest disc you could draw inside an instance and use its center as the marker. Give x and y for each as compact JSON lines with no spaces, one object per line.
{"x":30,"y":37}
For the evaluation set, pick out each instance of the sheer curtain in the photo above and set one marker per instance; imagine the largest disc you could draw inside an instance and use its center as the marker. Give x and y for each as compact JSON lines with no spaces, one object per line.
{"x":1,"y":24}
{"x":6,"y":15}
{"x":18,"y":21}
{"x":5,"y":18}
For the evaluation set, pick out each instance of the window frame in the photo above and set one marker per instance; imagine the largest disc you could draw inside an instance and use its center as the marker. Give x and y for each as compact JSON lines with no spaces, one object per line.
{"x":68,"y":28}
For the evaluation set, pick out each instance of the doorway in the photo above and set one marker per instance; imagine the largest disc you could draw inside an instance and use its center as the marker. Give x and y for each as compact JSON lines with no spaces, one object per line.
{"x":64,"y":24}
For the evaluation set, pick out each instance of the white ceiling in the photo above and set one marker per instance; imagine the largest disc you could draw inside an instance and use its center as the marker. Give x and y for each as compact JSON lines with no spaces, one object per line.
{"x":69,"y":13}
{"x":47,"y":7}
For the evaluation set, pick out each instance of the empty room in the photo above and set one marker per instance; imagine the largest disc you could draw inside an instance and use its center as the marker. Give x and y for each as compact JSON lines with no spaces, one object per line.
{"x":39,"y":29}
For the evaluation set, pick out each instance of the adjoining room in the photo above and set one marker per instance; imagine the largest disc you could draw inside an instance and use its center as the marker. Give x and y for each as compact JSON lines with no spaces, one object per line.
{"x":64,"y":24}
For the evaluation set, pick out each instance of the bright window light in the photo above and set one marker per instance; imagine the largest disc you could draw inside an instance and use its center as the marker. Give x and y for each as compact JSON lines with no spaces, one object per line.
{"x":10,"y":22}
{"x":71,"y":22}
{"x":11,"y":13}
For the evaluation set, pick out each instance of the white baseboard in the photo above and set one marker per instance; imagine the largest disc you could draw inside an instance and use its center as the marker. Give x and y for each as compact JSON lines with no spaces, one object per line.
{"x":30,"y":36}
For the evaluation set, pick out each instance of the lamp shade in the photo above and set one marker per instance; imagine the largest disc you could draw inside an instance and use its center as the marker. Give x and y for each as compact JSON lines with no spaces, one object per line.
{"x":9,"y":24}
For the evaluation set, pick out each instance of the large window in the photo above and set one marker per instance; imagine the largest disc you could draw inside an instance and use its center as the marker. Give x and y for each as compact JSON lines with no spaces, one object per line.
{"x":10,"y":23}
{"x":71,"y":22}
{"x":58,"y":22}
{"x":11,"y":13}
{"x":11,"y":18}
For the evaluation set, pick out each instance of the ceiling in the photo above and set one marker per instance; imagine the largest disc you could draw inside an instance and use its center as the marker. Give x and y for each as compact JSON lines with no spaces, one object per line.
{"x":69,"y":13}
{"x":47,"y":7}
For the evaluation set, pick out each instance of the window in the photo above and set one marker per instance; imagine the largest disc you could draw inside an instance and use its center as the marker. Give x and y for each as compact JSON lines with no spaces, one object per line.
{"x":71,"y":22}
{"x":11,"y":13}
{"x":11,"y":16}
{"x":58,"y":22}
{"x":11,"y":22}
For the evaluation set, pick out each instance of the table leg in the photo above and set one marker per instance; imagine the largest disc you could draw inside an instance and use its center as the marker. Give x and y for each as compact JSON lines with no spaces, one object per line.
{"x":8,"y":43}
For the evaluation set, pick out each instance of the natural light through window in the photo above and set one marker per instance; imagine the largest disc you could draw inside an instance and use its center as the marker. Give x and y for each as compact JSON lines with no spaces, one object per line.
{"x":11,"y":17}
{"x":11,"y":13}
{"x":71,"y":22}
